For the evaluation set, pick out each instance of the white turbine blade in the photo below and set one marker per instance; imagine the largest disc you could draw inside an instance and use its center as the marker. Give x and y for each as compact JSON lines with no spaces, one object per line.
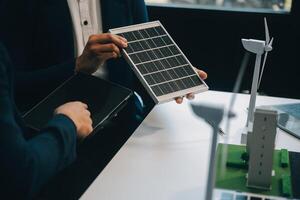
{"x":271,"y":43}
{"x":267,"y":32}
{"x":264,"y":63}
{"x":262,"y":69}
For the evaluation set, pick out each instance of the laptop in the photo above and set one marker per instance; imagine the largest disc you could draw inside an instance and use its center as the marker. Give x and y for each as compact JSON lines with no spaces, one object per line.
{"x":104,"y":100}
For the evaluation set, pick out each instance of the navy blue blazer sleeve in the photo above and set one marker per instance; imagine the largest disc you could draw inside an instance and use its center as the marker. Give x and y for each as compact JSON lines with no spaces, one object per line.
{"x":26,"y":165}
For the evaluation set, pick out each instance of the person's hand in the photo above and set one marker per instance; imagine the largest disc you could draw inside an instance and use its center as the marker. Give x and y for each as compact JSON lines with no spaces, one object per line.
{"x":190,"y":96}
{"x":79,"y":114}
{"x":99,"y":49}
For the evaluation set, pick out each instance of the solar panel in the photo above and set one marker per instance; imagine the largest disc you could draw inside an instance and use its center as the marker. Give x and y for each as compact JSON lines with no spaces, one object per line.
{"x":158,"y":62}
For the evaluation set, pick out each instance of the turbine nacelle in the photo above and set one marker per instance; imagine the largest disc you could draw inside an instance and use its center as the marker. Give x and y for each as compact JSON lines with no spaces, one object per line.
{"x":254,"y":46}
{"x":260,"y":47}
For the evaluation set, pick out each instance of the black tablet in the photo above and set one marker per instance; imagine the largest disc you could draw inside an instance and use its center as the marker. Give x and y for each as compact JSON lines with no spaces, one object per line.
{"x":104,"y":99}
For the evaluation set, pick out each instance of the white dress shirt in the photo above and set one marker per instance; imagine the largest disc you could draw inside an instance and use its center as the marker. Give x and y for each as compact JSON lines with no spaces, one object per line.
{"x":87,"y":20}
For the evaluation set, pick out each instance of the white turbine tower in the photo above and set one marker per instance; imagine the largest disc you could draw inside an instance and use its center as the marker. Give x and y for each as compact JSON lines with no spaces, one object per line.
{"x":258,"y":47}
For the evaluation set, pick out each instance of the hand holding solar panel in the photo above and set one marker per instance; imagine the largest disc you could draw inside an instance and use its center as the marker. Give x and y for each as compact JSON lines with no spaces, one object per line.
{"x":99,"y":49}
{"x":158,"y":62}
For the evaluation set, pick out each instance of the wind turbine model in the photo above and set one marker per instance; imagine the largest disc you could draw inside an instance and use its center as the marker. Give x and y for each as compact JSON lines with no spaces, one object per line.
{"x":213,"y":115}
{"x":258,"y":47}
{"x":261,"y":124}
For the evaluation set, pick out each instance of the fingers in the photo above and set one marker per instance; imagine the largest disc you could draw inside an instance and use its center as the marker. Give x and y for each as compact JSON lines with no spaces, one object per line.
{"x":98,"y":50}
{"x":106,"y":48}
{"x":78,"y":112}
{"x":87,"y":127}
{"x":85,"y":106}
{"x":106,"y":56}
{"x":122,"y":38}
{"x":179,"y":100}
{"x":85,"y":109}
{"x":190,"y":96}
{"x":87,"y":123}
{"x":108,"y":38}
{"x":202,"y":74}
{"x":86,"y":130}
{"x":87,"y":112}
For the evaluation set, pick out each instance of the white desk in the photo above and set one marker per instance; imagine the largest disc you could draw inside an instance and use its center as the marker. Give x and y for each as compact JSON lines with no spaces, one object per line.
{"x":167,"y":156}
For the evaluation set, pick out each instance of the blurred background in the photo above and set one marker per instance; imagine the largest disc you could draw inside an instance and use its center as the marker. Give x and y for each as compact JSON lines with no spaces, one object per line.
{"x":209,"y":32}
{"x":275,"y":5}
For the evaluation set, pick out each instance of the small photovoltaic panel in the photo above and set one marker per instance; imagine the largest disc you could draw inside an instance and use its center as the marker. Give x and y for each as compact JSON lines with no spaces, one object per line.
{"x":158,"y":62}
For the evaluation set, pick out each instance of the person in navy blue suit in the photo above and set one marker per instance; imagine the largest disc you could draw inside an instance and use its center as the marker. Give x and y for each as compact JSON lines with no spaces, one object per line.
{"x":28,"y":163}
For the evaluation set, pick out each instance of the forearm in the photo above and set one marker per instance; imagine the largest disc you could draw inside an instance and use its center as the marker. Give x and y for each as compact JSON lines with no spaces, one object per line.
{"x":53,"y":149}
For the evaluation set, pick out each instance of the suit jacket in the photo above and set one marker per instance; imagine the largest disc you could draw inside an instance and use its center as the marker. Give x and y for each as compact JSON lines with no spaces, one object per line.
{"x":39,"y":38}
{"x":27,"y":164}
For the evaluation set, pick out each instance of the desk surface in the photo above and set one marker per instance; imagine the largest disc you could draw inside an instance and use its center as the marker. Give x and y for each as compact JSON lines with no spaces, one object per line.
{"x":167,"y":156}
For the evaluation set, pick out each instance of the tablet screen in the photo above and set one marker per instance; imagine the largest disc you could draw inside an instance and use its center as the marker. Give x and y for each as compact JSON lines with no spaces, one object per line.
{"x":102,"y":97}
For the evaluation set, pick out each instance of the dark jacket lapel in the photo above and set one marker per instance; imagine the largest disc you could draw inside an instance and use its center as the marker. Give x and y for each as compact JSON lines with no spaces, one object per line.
{"x":115,"y":13}
{"x":54,"y":21}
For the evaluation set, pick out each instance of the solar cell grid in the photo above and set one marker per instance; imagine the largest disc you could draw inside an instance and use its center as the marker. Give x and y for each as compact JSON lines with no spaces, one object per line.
{"x":147,"y":45}
{"x":159,"y":61}
{"x":157,"y":48}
